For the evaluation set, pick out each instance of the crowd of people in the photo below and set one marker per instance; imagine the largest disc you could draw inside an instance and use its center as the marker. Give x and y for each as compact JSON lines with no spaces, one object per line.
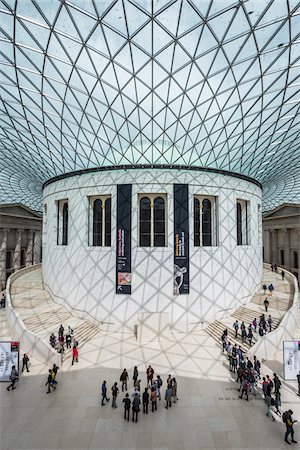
{"x":68,"y":340}
{"x":151,"y":394}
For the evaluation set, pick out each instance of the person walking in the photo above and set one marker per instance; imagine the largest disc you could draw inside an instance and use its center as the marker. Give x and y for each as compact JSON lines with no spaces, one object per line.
{"x":115,"y":392}
{"x":153,"y":397}
{"x":61,"y":331}
{"x":145,"y":401}
{"x":277,"y":383}
{"x":270,"y":322}
{"x":25,"y":362}
{"x":254,"y":324}
{"x":282,"y":275}
{"x":14,"y":376}
{"x":150,"y":374}
{"x":74,"y":354}
{"x":168,"y":396}
{"x":250,"y":337}
{"x":277,"y":403}
{"x":245,"y":389}
{"x":289,"y":422}
{"x":54,"y":373}
{"x":266,"y":303}
{"x":135,"y":375}
{"x":271,"y":289}
{"x":264,"y":288}
{"x":127,"y":403}
{"x":104,"y":393}
{"x":49,"y":382}
{"x":135,"y":407}
{"x":68,"y":340}
{"x":268,"y":401}
{"x":123,"y":378}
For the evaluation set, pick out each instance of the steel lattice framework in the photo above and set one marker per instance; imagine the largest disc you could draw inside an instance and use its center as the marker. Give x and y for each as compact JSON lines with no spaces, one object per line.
{"x":89,"y":83}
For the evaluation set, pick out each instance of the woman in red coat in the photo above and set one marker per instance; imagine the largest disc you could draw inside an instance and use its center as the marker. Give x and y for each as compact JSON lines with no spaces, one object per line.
{"x":75,"y":354}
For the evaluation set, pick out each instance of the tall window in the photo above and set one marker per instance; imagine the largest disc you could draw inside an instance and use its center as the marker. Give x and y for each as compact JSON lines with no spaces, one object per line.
{"x":100,"y":221}
{"x":62,"y":222}
{"x":242,"y":232}
{"x":152,"y":220}
{"x":205,"y":221}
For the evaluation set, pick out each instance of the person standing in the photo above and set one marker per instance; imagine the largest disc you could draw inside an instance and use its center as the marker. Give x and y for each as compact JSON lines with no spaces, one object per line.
{"x":145,"y":401}
{"x":123,"y":379}
{"x":75,"y":354}
{"x":13,"y":378}
{"x":298,"y":379}
{"x":270,"y":322}
{"x":61,"y":331}
{"x":266,"y":303}
{"x":282,"y":275}
{"x":289,"y":422}
{"x":135,"y":407}
{"x":153,"y":397}
{"x":104,"y":393}
{"x":25,"y":362}
{"x":277,"y":383}
{"x":174,"y":390}
{"x":236,"y":328}
{"x":115,"y":391}
{"x":168,"y":396}
{"x":68,"y":340}
{"x":158,"y":386}
{"x":135,"y":375}
{"x":49,"y":382}
{"x":150,"y":374}
{"x":254,"y":324}
{"x":245,"y":389}
{"x":271,"y":289}
{"x":127,"y":403}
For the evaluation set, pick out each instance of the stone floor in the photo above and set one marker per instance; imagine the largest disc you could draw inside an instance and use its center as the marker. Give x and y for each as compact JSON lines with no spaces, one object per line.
{"x":208,"y":415}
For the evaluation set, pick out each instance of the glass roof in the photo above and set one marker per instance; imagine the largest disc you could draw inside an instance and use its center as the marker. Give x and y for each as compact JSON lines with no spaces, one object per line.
{"x":89,"y":83}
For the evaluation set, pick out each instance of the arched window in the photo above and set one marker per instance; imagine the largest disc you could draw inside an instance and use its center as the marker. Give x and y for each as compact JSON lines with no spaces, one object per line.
{"x":159,"y":222}
{"x":108,"y":222}
{"x":205,"y":221}
{"x":196,"y":222}
{"x":100,"y":221}
{"x":239,"y":237}
{"x":145,"y":222}
{"x":152,"y":220}
{"x":65,"y":220}
{"x":97,"y":223}
{"x":242,"y":207}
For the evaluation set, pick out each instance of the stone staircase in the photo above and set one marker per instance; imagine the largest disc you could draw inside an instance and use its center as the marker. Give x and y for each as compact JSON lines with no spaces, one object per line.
{"x":248,"y":315}
{"x":216,"y":329}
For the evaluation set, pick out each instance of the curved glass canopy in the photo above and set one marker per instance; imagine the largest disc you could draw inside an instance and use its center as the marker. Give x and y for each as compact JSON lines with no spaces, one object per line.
{"x":89,"y":83}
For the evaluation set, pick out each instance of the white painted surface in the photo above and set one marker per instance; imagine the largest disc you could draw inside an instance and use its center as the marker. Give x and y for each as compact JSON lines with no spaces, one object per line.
{"x":153,"y":327}
{"x":84,"y":277}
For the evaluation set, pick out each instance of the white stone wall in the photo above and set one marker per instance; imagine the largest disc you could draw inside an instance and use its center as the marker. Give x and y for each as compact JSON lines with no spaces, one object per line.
{"x":85,"y":277}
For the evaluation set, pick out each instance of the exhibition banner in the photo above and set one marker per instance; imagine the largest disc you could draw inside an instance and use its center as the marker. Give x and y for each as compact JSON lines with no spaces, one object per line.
{"x":291,"y":359}
{"x":181,"y":239}
{"x":123,"y":263}
{"x":9,"y":356}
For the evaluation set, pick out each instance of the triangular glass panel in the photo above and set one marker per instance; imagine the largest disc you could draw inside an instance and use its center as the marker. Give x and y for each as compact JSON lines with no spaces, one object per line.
{"x":143,"y":38}
{"x":65,"y":24}
{"x":169,"y":17}
{"x":116,"y":19}
{"x":84,"y":22}
{"x":161,"y":38}
{"x":221,"y":22}
{"x":97,"y":41}
{"x":135,"y":17}
{"x":159,"y":74}
{"x":139,"y":57}
{"x":84,"y":62}
{"x":115,"y":41}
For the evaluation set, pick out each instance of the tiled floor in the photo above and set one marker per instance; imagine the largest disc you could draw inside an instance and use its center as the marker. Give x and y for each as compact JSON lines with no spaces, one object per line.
{"x":209,"y":413}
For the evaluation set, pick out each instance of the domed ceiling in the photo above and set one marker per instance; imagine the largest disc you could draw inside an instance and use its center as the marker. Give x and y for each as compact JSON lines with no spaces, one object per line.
{"x":90,"y":83}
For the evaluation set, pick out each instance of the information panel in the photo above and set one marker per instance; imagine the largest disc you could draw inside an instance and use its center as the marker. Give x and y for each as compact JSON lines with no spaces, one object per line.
{"x":9,"y":356}
{"x":291,"y":359}
{"x":123,"y":263}
{"x":181,"y":239}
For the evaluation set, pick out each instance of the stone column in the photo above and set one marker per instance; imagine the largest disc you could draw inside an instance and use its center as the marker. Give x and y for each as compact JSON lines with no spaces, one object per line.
{"x":274,"y":246}
{"x":37,"y":247}
{"x":287,"y":248}
{"x":3,"y":248}
{"x":17,"y":252}
{"x":29,"y":250}
{"x":267,"y":242}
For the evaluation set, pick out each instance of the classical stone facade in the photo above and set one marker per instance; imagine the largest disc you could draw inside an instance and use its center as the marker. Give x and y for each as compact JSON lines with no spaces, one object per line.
{"x":281,"y":237}
{"x":20,"y":239}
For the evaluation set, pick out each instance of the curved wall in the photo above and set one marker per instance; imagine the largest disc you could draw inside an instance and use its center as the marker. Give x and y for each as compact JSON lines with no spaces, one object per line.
{"x":85,"y":277}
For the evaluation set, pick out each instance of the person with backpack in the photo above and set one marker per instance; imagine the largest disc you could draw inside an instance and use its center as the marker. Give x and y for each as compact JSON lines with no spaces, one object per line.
{"x":115,"y":392}
{"x":289,"y":422}
{"x":127,"y":403}
{"x":135,"y":407}
{"x":271,"y":289}
{"x":123,"y":378}
{"x":103,"y":393}
{"x":49,"y":382}
{"x":145,"y":401}
{"x":158,"y":386}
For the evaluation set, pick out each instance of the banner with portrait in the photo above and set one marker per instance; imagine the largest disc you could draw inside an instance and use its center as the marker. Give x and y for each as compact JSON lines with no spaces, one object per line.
{"x":9,"y":356}
{"x":123,"y":241}
{"x":181,"y":239}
